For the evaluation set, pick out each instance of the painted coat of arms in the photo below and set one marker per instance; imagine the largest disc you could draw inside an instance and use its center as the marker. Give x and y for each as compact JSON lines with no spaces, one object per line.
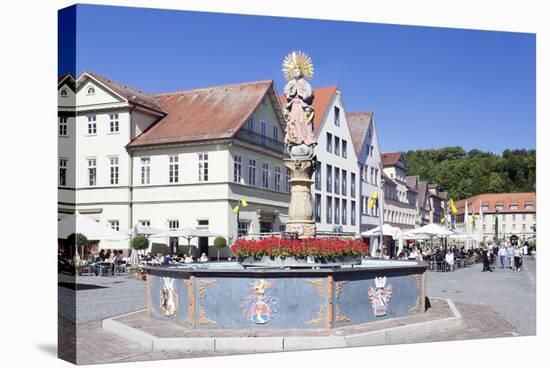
{"x":168,"y":298}
{"x":259,"y":307}
{"x":380,"y":296}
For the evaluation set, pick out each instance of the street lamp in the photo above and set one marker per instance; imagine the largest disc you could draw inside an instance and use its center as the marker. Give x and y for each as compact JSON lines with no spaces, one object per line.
{"x":496,"y":226}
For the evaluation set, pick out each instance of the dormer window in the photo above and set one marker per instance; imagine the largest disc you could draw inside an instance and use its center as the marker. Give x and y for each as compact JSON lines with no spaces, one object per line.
{"x":91,"y":90}
{"x":64,"y":92}
{"x":250,"y":124}
{"x":528,"y":206}
{"x":513,"y":206}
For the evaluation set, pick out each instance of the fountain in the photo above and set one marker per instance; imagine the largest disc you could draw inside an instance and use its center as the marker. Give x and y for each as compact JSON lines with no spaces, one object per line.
{"x":299,"y":283}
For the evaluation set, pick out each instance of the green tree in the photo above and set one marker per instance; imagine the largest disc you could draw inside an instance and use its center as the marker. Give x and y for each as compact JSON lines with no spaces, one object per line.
{"x":140,"y":242}
{"x":220,"y":243}
{"x":464,"y":174}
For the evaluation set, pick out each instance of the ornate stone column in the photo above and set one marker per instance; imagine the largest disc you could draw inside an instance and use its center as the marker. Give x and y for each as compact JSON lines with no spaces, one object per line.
{"x":300,"y":212}
{"x":300,"y":142}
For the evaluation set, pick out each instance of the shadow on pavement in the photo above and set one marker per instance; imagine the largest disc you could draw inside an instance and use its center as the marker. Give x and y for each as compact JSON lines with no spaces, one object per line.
{"x":73,"y":286}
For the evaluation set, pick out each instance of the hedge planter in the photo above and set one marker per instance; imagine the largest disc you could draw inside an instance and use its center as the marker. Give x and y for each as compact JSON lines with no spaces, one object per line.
{"x":278,"y":252}
{"x":299,"y":262}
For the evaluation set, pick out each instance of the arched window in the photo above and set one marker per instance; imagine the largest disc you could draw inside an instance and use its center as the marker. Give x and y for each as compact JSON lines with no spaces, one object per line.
{"x":91,"y":90}
{"x":63,"y":92}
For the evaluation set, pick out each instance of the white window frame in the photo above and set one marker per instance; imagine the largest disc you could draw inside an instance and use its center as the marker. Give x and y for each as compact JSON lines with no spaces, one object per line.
{"x":203,"y":166}
{"x":237,"y":168}
{"x":63,"y":172}
{"x":173,"y":169}
{"x":173,"y":224}
{"x":145,"y":171}
{"x":275,"y":133}
{"x":114,"y":125}
{"x":252,"y":172}
{"x":277,"y":179}
{"x":263,"y":131}
{"x":344,"y":148}
{"x":337,"y":146}
{"x":250,"y":124}
{"x":114,"y":224}
{"x":243,"y":227}
{"x":114,"y":170}
{"x":265,"y":175}
{"x":63,"y":126}
{"x":92,"y":171}
{"x":92,"y":124}
{"x":144,"y":223}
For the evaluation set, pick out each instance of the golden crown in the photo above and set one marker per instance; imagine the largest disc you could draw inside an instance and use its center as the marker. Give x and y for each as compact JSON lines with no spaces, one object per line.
{"x":297,"y":60}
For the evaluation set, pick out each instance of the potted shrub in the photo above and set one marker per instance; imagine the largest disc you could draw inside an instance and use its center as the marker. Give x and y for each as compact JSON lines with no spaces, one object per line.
{"x":220,"y":243}
{"x":140,"y":242}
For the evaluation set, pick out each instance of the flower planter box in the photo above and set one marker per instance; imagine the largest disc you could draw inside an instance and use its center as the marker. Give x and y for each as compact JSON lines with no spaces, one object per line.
{"x":300,"y":262}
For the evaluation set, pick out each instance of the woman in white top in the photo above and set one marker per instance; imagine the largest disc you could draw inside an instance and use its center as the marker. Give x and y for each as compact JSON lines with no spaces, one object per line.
{"x":450,"y":259}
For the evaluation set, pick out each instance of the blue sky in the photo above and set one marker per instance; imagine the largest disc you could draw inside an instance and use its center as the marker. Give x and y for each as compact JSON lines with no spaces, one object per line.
{"x":428,"y":87}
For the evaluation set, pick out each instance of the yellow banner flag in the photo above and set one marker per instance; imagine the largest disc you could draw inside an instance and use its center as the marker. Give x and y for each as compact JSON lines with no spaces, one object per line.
{"x":236,"y":209}
{"x":244,"y":202}
{"x":476,"y":216}
{"x":371,"y":203}
{"x":453,"y":208}
{"x":374,"y":195}
{"x":442,"y":221}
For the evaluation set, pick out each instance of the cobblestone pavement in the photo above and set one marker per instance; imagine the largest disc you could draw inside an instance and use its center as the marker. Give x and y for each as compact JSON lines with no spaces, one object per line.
{"x":511,"y":294}
{"x":98,"y":298}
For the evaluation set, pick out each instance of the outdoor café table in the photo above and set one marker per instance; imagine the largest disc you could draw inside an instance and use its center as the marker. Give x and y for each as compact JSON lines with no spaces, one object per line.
{"x":103,"y":269}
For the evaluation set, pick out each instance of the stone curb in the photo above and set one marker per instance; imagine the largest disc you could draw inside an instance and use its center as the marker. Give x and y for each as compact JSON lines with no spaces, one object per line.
{"x":392,"y":335}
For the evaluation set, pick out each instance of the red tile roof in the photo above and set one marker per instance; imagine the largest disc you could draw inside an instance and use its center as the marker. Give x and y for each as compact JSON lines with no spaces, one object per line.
{"x":203,"y":114}
{"x":133,"y":95}
{"x":493,"y":199}
{"x":390,"y":158}
{"x":321,"y":101}
{"x":358,"y":123}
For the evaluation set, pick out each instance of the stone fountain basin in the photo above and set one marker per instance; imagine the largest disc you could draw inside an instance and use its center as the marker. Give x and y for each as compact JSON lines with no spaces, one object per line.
{"x":226,"y":295}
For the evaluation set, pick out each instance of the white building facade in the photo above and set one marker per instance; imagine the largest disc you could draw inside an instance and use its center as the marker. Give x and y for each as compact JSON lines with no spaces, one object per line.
{"x":367,"y":149}
{"x":128,"y":158}
{"x":400,"y":201}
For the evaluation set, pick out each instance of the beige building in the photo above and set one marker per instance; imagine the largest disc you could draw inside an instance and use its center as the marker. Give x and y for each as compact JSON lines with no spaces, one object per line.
{"x":516,"y":213}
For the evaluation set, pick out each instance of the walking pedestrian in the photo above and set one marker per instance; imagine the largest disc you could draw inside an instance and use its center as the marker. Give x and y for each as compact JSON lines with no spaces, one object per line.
{"x":486,"y":257}
{"x":517,"y":259}
{"x":510,"y":255}
{"x":502,"y":256}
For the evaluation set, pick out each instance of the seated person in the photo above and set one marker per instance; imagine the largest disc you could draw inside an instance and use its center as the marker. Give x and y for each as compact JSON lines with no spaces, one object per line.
{"x":204,"y":258}
{"x":188,"y":259}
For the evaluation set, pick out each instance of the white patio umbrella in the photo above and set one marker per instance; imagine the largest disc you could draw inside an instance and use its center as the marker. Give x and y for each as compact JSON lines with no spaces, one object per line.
{"x":93,"y":230}
{"x":388,"y":230}
{"x":431,"y":230}
{"x":187,"y":233}
{"x":143,"y":230}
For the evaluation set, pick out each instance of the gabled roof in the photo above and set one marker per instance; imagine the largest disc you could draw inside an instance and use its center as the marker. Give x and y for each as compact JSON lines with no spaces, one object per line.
{"x":207,"y":113}
{"x":322,"y":98}
{"x":392,"y":159}
{"x":422,"y":190}
{"x":412,"y":182}
{"x":133,"y":95}
{"x":388,"y":180}
{"x":491,"y":200}
{"x":358,"y":123}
